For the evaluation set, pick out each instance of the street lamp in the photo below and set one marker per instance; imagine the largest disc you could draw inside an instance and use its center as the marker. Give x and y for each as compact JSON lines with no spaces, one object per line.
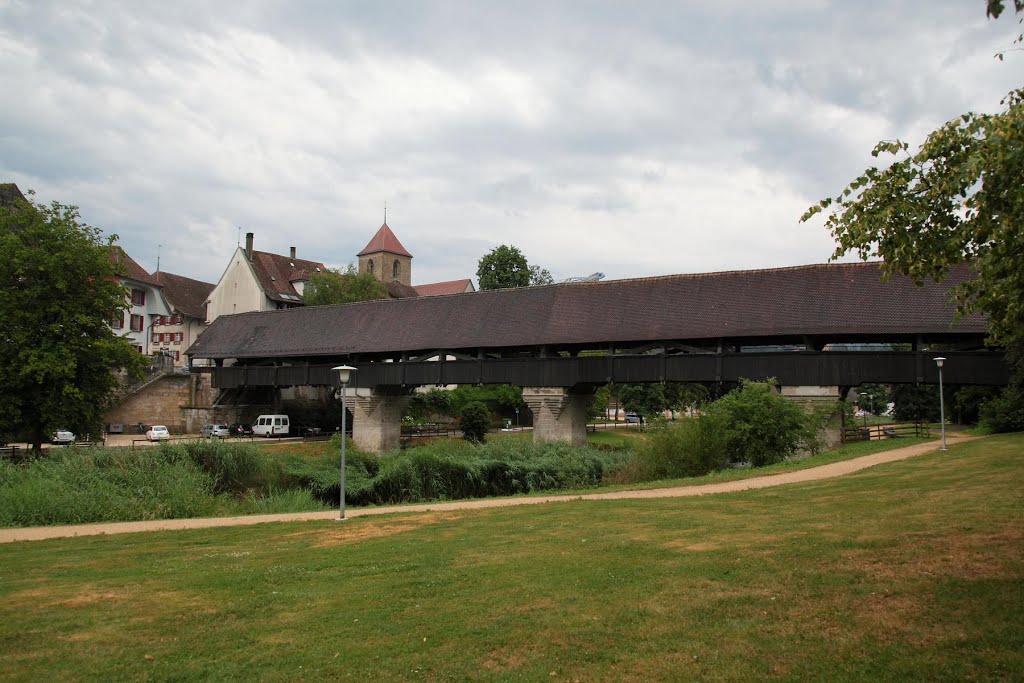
{"x":942,"y":403}
{"x":344,"y":373}
{"x":864,"y":406}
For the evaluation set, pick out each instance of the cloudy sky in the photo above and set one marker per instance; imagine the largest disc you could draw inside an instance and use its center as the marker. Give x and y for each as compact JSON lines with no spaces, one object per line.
{"x":632,"y":138}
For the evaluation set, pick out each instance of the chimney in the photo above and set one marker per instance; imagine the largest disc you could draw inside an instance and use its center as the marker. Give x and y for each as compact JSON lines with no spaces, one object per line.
{"x":248,"y":245}
{"x":293,"y":252}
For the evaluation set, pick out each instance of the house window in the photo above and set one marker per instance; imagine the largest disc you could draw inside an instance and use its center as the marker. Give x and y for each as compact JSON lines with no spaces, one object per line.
{"x":117,"y":320}
{"x":396,"y":269}
{"x":179,"y":336}
{"x":138,"y":297}
{"x":177,"y":356}
{"x":138,"y":348}
{"x":136,"y":323}
{"x":177,"y":320}
{"x":369,"y":266}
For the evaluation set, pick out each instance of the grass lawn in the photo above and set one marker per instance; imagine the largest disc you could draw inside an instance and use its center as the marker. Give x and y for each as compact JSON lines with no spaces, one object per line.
{"x":911,"y":570}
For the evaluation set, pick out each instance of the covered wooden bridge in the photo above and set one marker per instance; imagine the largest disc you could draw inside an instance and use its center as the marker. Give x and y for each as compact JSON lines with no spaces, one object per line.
{"x":822,"y":326}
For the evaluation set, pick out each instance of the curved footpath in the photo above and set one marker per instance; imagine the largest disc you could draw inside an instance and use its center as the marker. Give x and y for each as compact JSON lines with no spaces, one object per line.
{"x":835,"y":469}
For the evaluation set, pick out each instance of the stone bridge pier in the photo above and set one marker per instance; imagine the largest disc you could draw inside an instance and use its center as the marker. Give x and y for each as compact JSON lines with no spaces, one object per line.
{"x":811,"y":398}
{"x":557,"y":414}
{"x":376,"y":419}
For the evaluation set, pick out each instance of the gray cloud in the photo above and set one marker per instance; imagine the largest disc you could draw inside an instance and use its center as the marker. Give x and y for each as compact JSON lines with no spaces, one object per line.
{"x":634,"y":140}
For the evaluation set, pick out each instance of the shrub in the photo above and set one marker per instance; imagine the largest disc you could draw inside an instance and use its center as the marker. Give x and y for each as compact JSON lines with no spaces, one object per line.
{"x":1005,"y":413}
{"x":759,"y":426}
{"x":687,"y":448}
{"x":102,"y":485}
{"x":231,"y":465}
{"x":474,"y":422}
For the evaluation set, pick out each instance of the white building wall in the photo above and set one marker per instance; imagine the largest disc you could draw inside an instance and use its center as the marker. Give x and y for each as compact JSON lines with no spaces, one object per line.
{"x":238,"y":290}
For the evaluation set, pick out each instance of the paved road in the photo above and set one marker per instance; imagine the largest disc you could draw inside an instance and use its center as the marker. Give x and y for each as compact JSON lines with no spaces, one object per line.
{"x":836,"y":469}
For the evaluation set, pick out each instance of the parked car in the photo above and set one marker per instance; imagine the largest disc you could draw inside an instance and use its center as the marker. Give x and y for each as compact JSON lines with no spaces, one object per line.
{"x":634,"y":418}
{"x":62,"y":437}
{"x":307,"y":430}
{"x":220,"y":431}
{"x":272,"y":425}
{"x":240,"y":429}
{"x":158,"y":433}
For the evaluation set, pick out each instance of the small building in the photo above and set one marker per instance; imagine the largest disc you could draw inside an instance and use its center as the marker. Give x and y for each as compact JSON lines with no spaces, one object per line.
{"x":146,"y":302}
{"x":260,"y":281}
{"x":173,"y":334}
{"x":391,"y":263}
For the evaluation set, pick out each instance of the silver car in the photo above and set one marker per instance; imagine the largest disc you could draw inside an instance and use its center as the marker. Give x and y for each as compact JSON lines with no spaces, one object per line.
{"x":220,"y":431}
{"x":63,"y":437}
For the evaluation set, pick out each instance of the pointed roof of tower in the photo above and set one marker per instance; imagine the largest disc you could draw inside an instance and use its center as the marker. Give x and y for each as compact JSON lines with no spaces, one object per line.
{"x":384,"y":240}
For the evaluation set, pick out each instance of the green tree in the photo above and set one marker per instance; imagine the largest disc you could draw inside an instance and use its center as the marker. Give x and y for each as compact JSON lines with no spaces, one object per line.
{"x":958,"y":199}
{"x":347,"y":286}
{"x":474,"y":420}
{"x":503,"y":267}
{"x":58,"y":292}
{"x":647,"y":400}
{"x":877,"y":398}
{"x":540,"y":276}
{"x":679,"y":396}
{"x":761,"y":427}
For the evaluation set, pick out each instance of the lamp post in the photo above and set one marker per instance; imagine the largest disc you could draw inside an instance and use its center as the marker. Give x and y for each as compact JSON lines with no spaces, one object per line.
{"x":865,"y":402}
{"x":942,"y":402}
{"x":344,"y":373}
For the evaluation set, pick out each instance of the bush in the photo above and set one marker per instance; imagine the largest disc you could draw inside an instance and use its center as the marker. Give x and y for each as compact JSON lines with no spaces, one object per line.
{"x":759,"y":426}
{"x":230,"y":465}
{"x":1005,"y":413}
{"x":749,"y":425}
{"x":449,"y":470}
{"x":474,"y":421}
{"x":687,"y":448}
{"x":102,"y":485}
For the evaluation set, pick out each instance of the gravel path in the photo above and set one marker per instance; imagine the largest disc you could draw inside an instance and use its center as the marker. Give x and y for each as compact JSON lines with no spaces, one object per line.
{"x":836,"y":469}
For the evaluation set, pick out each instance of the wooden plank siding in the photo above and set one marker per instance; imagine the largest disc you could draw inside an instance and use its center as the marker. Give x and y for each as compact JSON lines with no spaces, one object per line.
{"x":826,"y":368}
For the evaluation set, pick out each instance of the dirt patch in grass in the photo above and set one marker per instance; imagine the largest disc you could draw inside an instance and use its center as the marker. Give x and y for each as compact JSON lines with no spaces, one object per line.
{"x":344,"y":533}
{"x":965,"y":556}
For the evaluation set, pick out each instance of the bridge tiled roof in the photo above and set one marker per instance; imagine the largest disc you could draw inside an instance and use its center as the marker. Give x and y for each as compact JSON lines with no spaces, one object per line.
{"x":838,"y":300}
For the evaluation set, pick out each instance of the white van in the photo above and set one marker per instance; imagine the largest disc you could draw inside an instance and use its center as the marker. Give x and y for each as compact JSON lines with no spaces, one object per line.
{"x":271,"y":425}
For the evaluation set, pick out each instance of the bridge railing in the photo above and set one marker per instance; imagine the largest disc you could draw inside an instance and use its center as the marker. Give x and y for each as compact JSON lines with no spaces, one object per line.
{"x":826,"y":368}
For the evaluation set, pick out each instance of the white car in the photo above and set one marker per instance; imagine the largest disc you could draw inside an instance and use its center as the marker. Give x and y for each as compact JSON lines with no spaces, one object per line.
{"x":62,"y":436}
{"x":158,"y":433}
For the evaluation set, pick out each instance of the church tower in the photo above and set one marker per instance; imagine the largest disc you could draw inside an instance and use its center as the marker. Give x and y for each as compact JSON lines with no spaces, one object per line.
{"x":386,"y":258}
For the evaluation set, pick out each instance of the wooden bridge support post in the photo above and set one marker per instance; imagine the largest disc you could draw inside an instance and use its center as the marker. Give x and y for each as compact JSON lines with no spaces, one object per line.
{"x":812,"y":398}
{"x":557,"y":414}
{"x":377,"y":420}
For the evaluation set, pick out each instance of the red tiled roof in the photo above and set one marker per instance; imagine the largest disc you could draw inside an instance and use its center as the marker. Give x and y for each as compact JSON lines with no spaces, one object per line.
{"x":384,"y":240}
{"x":442,"y":288}
{"x":184,"y":294}
{"x":836,"y":301}
{"x":277,"y":273}
{"x":126,"y":267}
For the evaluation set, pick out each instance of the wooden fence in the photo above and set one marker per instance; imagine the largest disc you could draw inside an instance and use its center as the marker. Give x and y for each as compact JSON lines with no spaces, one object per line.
{"x":885,"y":431}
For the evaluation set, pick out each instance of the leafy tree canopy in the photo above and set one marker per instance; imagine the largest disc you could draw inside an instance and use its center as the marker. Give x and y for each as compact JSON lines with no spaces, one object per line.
{"x":58,"y":292}
{"x":503,"y":267}
{"x":540,"y":276}
{"x":347,"y":286}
